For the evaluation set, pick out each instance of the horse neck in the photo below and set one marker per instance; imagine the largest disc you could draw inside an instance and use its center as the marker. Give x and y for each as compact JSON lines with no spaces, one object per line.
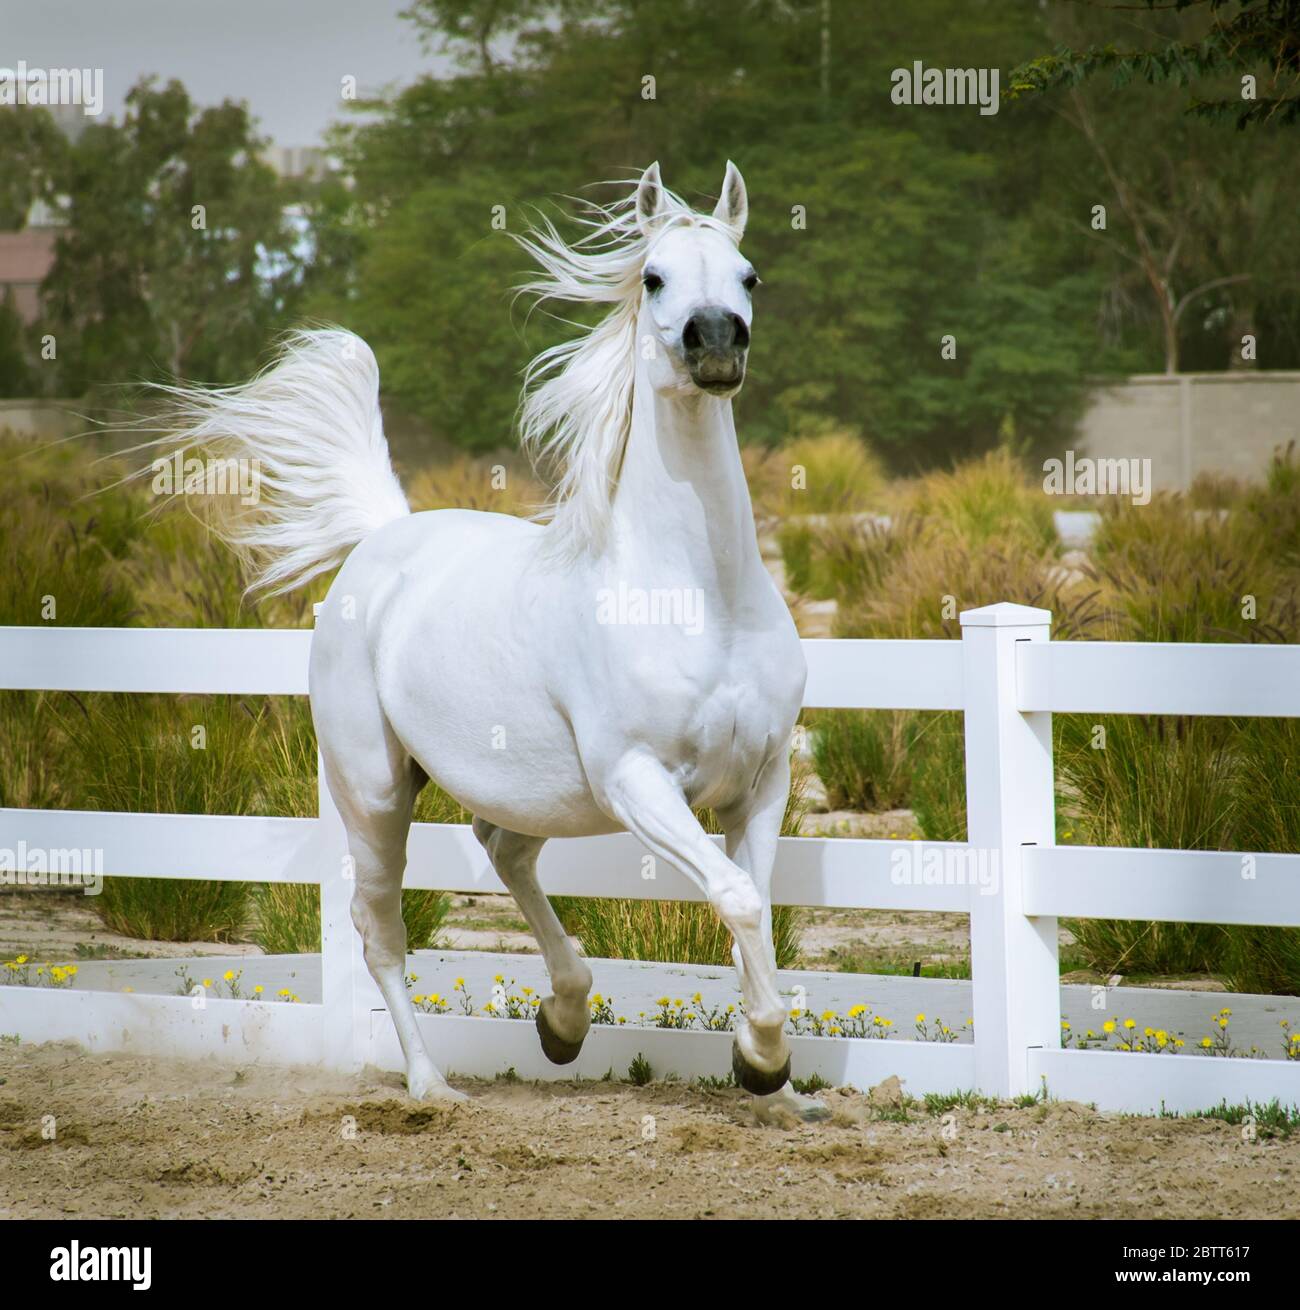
{"x":682,"y":500}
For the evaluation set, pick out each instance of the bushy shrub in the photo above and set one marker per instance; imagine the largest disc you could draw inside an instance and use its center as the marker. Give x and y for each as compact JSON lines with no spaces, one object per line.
{"x":939,"y":778}
{"x":503,"y":486}
{"x":864,"y":757}
{"x":985,"y":501}
{"x":829,"y":473}
{"x":1220,"y":564}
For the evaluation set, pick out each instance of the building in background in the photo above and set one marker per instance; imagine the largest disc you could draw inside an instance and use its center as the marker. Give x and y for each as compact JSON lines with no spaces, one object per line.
{"x":293,"y":162}
{"x":27,"y":256}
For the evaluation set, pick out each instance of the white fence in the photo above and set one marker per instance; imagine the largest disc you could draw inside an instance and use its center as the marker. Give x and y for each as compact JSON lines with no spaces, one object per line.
{"x":1005,"y":674}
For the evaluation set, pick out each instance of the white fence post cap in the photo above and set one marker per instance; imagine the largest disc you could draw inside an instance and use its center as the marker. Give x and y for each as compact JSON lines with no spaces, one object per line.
{"x":1005,"y":615}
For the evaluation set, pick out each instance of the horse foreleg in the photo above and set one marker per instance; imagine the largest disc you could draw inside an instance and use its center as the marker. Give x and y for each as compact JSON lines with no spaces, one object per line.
{"x":753,"y":828}
{"x":563,"y":1017}
{"x":645,"y":800}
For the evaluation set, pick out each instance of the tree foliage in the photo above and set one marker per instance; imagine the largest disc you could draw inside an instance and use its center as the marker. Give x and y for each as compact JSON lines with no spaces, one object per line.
{"x":177,"y":258}
{"x":1255,"y":41}
{"x":878,"y":231}
{"x":935,"y":279}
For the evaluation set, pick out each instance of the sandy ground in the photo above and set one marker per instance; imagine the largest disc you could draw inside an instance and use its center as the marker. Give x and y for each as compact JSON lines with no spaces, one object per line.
{"x":157,"y":1138}
{"x":62,"y":927}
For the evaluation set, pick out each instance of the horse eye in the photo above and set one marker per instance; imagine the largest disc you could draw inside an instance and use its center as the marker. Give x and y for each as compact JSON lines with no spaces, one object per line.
{"x":652,"y":282}
{"x":751,"y":282}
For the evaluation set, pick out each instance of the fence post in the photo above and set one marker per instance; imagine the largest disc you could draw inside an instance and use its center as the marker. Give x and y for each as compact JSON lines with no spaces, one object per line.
{"x":1010,"y":804}
{"x":346,"y":1035}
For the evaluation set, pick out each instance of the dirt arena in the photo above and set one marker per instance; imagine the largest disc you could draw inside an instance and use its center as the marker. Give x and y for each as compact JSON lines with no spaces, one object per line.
{"x":147,"y":1137}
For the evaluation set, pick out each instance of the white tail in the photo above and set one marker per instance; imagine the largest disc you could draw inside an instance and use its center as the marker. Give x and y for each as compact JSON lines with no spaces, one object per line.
{"x":310,"y":426}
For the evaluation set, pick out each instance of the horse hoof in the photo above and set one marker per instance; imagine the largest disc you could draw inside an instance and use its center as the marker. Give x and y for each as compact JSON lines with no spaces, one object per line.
{"x":431,"y":1090}
{"x":556,"y":1049}
{"x":758,"y":1081}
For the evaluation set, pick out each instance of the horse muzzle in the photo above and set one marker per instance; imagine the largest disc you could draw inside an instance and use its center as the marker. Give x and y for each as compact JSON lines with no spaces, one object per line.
{"x":714,"y":345}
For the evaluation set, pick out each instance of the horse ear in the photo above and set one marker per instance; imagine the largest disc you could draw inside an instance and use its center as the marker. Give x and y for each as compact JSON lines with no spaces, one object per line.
{"x":649,"y":199}
{"x":733,"y":204}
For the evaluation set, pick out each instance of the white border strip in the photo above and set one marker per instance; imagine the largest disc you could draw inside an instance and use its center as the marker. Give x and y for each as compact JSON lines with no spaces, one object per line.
{"x":1134,"y":677}
{"x":199,"y":661}
{"x":1114,"y":882}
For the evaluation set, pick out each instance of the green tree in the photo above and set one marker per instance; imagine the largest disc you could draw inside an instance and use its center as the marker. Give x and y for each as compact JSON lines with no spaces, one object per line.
{"x":17,"y":377}
{"x":31,"y":148}
{"x":916,"y":220}
{"x":432,"y":296}
{"x":1241,"y":56}
{"x":178,"y":257}
{"x":1191,"y":229}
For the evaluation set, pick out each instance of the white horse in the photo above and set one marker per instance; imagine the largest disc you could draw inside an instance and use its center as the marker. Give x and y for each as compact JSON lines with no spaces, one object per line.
{"x":482,"y":650}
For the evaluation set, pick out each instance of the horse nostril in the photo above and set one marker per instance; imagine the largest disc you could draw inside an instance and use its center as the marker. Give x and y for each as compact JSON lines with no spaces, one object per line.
{"x":716,"y":331}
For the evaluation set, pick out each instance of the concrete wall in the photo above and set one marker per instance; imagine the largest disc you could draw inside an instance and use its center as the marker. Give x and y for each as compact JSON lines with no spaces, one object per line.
{"x":1191,"y":423}
{"x":45,"y":420}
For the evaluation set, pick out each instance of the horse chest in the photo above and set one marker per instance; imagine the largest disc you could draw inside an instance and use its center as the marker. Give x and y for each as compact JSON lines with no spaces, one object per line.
{"x":713,"y":716}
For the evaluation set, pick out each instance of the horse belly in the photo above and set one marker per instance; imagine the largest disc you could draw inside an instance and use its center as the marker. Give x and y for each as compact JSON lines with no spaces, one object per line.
{"x":517,"y":770}
{"x":463,"y":690}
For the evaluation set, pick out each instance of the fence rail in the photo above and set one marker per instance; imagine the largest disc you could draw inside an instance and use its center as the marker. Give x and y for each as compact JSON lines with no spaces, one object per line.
{"x":1005,"y":675}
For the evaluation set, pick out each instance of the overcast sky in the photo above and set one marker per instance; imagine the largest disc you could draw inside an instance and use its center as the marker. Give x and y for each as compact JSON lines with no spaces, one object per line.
{"x":286,"y":58}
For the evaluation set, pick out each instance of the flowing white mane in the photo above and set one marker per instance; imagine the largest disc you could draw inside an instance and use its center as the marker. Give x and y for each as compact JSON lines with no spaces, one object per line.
{"x":576,"y":404}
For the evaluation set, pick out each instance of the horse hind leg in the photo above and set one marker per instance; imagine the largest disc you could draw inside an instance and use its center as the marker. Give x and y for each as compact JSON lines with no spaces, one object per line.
{"x":376,"y":813}
{"x":563,"y":1018}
